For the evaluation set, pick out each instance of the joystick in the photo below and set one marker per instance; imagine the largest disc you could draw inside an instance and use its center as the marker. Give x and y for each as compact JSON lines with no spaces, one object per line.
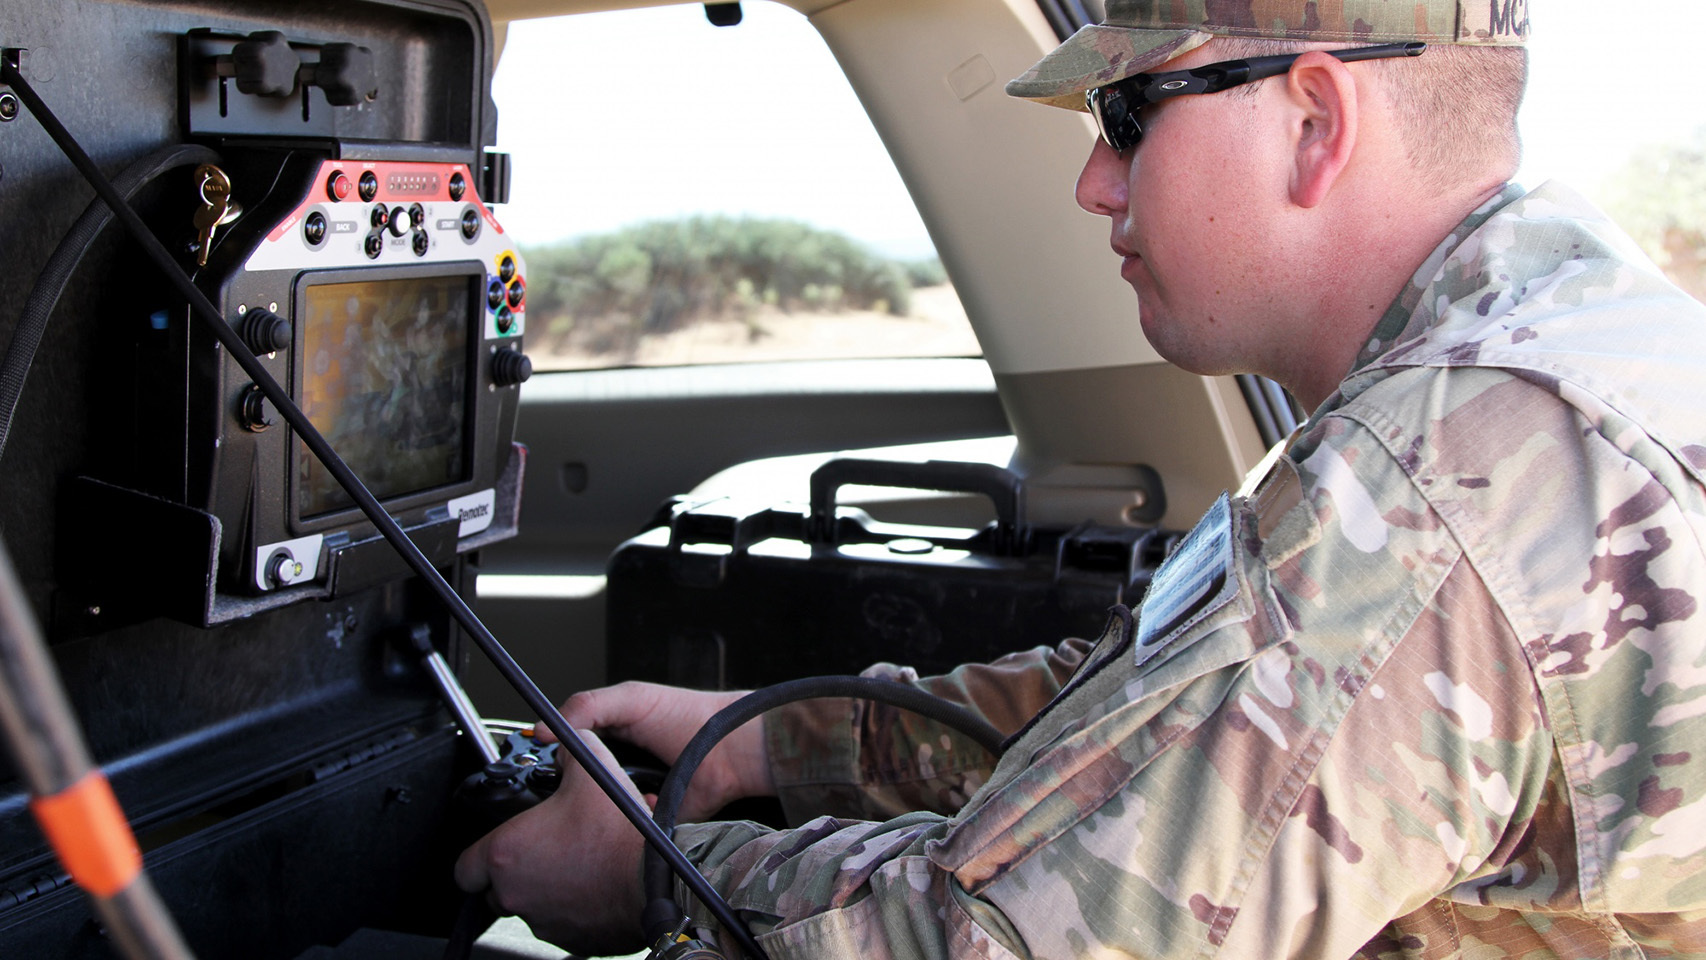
{"x":525,"y":773}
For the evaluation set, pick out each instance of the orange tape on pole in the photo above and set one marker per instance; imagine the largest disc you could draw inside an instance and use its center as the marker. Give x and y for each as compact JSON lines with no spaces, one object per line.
{"x":87,"y":829}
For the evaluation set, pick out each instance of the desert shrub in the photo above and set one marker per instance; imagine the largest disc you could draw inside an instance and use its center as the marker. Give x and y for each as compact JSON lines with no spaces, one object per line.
{"x":925,"y":273}
{"x":658,"y":276}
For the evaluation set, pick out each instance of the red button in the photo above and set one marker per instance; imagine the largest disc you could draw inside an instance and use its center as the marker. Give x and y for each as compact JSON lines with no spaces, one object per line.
{"x":338,"y":187}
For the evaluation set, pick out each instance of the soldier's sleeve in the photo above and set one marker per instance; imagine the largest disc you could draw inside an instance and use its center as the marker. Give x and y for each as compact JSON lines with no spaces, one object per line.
{"x":860,"y":759}
{"x":1325,"y":724}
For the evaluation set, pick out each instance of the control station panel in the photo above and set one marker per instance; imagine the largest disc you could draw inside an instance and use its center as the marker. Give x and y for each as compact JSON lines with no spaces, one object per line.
{"x":390,"y":303}
{"x":363,"y":213}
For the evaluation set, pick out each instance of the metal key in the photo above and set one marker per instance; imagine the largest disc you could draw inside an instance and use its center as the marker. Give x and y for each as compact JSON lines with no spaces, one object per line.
{"x":215,"y":205}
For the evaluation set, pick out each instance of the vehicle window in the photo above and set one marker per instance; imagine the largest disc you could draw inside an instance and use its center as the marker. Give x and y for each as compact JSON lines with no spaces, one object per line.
{"x":1631,"y":138}
{"x":685,"y":193}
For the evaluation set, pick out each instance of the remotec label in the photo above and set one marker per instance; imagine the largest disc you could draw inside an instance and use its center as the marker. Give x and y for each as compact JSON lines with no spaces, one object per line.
{"x":474,"y":510}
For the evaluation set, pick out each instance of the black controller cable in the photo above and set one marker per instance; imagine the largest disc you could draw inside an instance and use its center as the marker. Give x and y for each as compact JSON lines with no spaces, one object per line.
{"x":632,"y":809}
{"x":662,"y":914}
{"x":51,"y":282}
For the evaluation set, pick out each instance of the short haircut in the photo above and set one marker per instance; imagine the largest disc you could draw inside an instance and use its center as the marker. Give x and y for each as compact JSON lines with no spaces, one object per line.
{"x":1457,"y":102}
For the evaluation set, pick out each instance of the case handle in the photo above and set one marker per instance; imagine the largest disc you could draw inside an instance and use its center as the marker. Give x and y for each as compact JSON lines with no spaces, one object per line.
{"x":1003,"y":486}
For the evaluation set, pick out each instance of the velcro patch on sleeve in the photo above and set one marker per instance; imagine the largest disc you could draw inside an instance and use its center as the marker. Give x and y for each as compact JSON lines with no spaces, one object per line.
{"x":1199,"y":578}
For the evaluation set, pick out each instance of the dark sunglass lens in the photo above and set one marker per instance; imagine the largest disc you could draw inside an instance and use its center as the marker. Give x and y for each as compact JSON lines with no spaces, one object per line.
{"x":1093,"y":102}
{"x":1115,"y":121}
{"x":1119,"y":121}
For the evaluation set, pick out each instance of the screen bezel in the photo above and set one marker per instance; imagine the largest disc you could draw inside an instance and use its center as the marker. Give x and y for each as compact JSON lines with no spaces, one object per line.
{"x":474,"y":275}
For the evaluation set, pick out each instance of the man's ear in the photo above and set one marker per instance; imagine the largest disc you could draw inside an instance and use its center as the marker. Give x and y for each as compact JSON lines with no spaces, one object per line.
{"x":1324,"y":93}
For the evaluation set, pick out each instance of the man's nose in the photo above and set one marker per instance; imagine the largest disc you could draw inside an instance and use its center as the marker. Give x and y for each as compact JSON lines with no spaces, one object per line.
{"x":1102,"y":184}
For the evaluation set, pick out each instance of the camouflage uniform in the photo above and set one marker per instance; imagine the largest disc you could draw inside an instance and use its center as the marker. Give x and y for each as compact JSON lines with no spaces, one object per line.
{"x":1431,"y":688}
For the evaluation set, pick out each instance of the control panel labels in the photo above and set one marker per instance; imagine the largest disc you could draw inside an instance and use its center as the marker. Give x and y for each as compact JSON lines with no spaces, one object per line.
{"x":475,"y":511}
{"x":399,"y":214}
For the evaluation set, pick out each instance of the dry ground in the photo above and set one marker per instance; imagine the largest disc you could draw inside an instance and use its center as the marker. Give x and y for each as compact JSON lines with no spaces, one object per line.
{"x":936,"y":328}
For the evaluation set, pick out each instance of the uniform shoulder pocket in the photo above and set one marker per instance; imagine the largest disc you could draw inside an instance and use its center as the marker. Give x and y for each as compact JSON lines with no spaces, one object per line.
{"x":1210,"y":605}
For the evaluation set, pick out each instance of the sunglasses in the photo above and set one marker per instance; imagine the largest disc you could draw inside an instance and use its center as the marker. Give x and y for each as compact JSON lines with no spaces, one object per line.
{"x":1115,"y":106}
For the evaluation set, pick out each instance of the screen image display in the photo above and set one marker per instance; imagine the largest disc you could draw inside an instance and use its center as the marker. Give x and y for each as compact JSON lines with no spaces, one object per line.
{"x":384,"y":378}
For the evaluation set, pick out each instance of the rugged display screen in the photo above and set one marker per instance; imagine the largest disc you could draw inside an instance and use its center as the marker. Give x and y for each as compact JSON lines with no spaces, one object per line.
{"x":384,"y":378}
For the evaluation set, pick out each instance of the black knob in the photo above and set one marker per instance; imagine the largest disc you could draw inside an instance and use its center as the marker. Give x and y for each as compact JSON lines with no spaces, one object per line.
{"x":265,"y":65}
{"x":495,"y":294}
{"x":517,"y":290}
{"x":544,"y":779}
{"x":506,"y":268}
{"x":254,"y":410}
{"x":368,"y":186}
{"x":314,"y":228}
{"x":345,"y":72}
{"x":495,"y":794}
{"x":373,"y":245}
{"x":264,"y":331}
{"x":458,"y":185}
{"x":421,"y":243}
{"x":470,"y":223}
{"x":510,"y":367}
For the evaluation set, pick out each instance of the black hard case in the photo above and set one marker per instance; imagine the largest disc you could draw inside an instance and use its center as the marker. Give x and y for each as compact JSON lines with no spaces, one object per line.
{"x":723,"y":595}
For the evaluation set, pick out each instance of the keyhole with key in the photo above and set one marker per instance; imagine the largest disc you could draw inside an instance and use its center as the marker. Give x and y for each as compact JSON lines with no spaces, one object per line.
{"x":216,"y":208}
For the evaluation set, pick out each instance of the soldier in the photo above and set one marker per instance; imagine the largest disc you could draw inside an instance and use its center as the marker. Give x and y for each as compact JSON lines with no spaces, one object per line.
{"x":1432,"y":685}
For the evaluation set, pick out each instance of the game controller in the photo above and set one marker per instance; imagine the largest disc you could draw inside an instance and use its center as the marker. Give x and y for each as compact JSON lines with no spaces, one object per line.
{"x":527,"y":771}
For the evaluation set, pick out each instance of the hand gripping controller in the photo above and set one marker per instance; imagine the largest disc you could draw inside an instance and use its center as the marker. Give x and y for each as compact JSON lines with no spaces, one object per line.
{"x":525,"y":773}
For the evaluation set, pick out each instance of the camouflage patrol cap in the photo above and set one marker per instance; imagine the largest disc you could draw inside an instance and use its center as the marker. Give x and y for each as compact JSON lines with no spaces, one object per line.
{"x":1138,"y":35}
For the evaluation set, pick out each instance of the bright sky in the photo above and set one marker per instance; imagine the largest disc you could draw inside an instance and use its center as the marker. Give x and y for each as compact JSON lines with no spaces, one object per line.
{"x":1601,"y":88}
{"x":681,"y":136}
{"x":684,"y":133}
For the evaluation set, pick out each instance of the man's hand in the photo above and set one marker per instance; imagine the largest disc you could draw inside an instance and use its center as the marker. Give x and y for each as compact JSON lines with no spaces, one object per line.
{"x":570,"y":867}
{"x":662,"y":720}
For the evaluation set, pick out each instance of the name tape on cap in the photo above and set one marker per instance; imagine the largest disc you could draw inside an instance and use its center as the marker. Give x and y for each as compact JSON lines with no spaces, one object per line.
{"x":1492,"y":21}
